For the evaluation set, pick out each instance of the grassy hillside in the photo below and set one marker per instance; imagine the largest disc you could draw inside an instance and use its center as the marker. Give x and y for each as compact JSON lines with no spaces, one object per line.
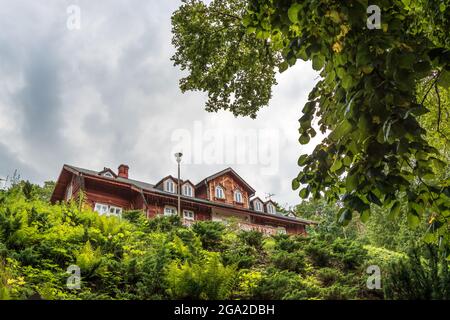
{"x":136,"y":258}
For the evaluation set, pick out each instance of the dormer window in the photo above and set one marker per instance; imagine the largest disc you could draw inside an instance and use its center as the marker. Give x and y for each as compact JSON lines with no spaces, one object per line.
{"x":169,"y":186}
{"x":258,"y":205}
{"x":237,"y":196}
{"x":188,"y":190}
{"x":108,"y":174}
{"x":271,"y":208}
{"x":220,"y":194}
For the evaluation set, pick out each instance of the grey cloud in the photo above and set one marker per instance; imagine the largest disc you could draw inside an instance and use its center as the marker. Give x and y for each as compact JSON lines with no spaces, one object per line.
{"x":108,"y":94}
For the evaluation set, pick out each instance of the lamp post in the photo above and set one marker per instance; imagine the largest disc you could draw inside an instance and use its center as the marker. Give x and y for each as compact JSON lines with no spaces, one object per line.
{"x":178,"y":156}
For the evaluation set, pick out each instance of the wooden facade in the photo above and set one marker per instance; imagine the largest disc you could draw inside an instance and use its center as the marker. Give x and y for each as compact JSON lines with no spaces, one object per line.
{"x":108,"y":192}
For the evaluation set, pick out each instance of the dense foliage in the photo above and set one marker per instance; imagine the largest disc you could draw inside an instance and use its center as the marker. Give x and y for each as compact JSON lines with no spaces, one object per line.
{"x":382,"y":99}
{"x":136,"y":258}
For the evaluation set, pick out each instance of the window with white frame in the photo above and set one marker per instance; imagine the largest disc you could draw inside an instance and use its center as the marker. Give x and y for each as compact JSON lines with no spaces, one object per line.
{"x":170,"y":211}
{"x":169,"y":186}
{"x":258,"y":205}
{"x":115,"y":211}
{"x":108,"y":174}
{"x":101,"y":208}
{"x":220,"y":194}
{"x":281,"y":230}
{"x":237,"y":196}
{"x":188,"y":190}
{"x":188,"y":214}
{"x":271,"y":208}
{"x":104,"y":209}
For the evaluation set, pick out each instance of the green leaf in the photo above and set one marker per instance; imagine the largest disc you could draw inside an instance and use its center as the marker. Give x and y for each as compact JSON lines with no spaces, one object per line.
{"x":293,"y":12}
{"x":364,"y":216}
{"x":373,"y":198}
{"x":395,"y":211}
{"x":413,"y":218}
{"x":351,"y":182}
{"x":336,"y":165}
{"x":347,"y":161}
{"x":317,"y":62}
{"x":304,"y":139}
{"x":246,"y":20}
{"x":295,"y":184}
{"x":341,"y":130}
{"x":347,"y":81}
{"x":345,"y":218}
{"x":302,"y":160}
{"x":304,"y":193}
{"x":283,"y":66}
{"x":430,"y":237}
{"x":334,"y":15}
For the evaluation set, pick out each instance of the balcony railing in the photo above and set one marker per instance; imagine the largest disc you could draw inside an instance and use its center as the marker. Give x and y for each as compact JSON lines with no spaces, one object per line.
{"x":269,"y":230}
{"x":246,"y":226}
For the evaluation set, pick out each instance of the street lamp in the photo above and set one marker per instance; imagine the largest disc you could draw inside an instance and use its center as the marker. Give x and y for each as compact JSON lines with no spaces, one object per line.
{"x":178,"y":156}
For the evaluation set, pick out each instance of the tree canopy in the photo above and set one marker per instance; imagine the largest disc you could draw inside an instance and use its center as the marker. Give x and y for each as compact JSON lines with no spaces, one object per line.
{"x":382,"y":99}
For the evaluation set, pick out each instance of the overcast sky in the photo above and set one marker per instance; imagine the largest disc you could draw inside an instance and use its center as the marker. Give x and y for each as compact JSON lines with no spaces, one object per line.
{"x":107,"y":93}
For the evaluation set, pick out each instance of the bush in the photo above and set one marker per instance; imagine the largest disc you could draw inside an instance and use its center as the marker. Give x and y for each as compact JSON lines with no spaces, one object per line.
{"x":242,"y":256}
{"x":318,"y":252}
{"x":252,"y":238}
{"x":276,"y":285}
{"x":137,"y":258}
{"x":164,"y":223}
{"x":205,"y":279}
{"x":286,"y":243}
{"x":210,"y":233}
{"x":338,"y":292}
{"x":294,"y":261}
{"x":349,"y":252}
{"x":424,"y":275}
{"x":328,"y":276}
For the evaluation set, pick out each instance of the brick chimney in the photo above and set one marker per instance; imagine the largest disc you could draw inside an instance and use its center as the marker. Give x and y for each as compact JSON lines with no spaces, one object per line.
{"x":123,"y":171}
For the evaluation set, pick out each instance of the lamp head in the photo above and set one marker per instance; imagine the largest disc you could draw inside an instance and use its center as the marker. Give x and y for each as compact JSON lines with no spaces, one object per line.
{"x":178,"y":156}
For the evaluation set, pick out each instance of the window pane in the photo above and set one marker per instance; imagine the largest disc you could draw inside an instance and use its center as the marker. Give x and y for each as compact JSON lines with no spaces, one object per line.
{"x":219,"y":192}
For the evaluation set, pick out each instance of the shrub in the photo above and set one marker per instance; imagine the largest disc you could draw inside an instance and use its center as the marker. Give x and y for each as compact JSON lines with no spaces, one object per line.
{"x":318,"y":253}
{"x":205,"y":279}
{"x":349,"y":252}
{"x":248,"y":281}
{"x":338,"y":292}
{"x":286,"y":243}
{"x":308,"y":288}
{"x":240,"y":255}
{"x":210,"y":233}
{"x":290,"y":261}
{"x":328,"y":276}
{"x":276,"y":285}
{"x":252,"y":238}
{"x":424,"y":275}
{"x":164,"y":223}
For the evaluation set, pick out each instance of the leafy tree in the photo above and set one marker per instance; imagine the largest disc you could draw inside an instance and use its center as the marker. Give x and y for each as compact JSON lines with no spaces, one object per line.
{"x":368,"y":100}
